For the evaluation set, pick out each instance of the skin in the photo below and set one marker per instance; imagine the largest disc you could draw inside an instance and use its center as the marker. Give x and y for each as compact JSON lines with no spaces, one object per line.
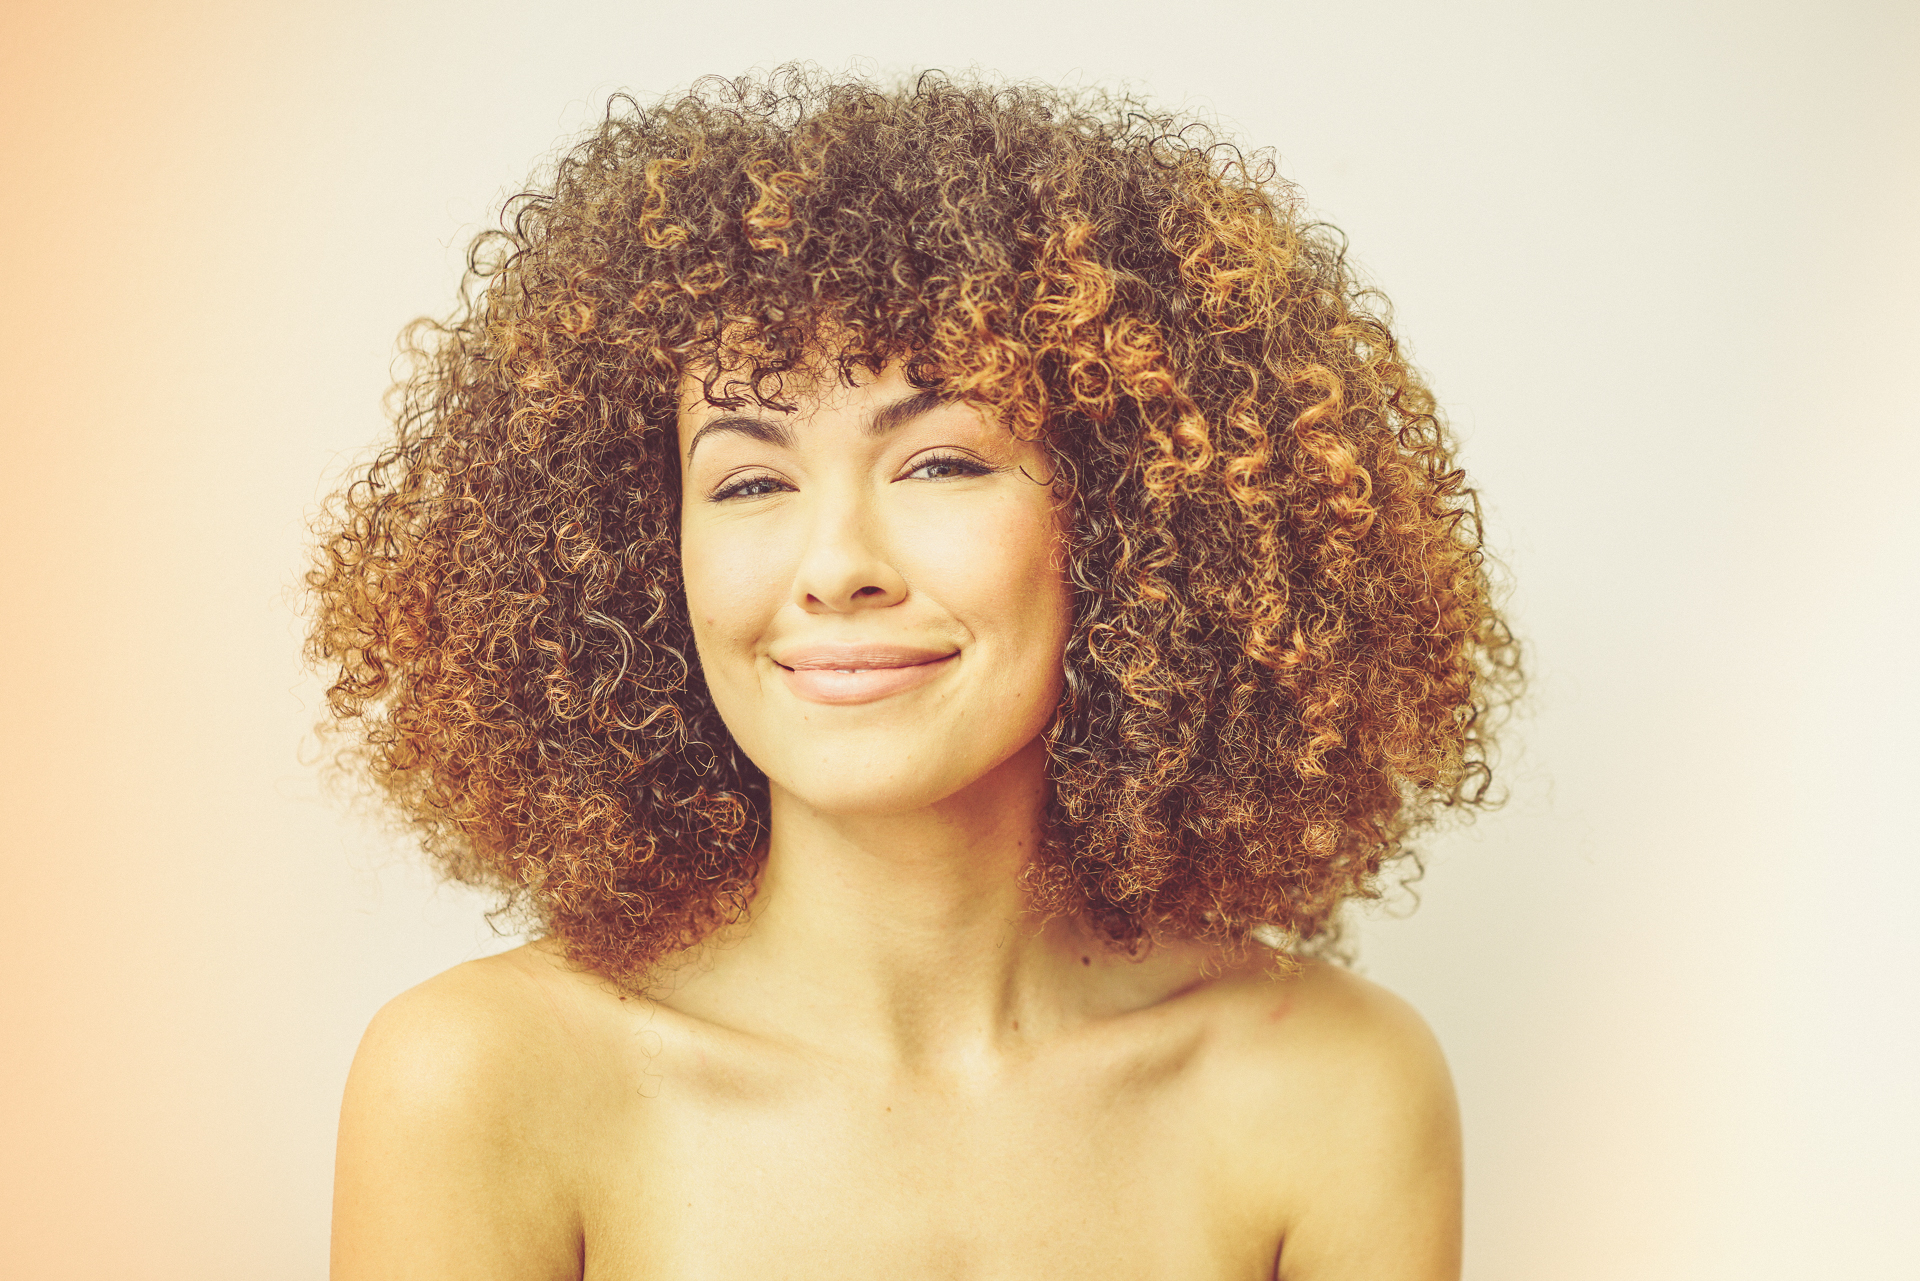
{"x":890,"y":1068}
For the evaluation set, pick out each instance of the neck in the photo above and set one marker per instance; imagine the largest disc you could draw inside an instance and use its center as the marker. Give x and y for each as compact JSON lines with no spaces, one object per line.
{"x":904,"y":937}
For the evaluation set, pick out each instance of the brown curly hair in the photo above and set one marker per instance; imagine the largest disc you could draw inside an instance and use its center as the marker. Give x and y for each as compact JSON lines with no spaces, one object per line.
{"x":1284,"y":650}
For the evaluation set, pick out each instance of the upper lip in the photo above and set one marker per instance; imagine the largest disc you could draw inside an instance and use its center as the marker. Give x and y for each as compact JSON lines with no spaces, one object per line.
{"x":857,"y":657}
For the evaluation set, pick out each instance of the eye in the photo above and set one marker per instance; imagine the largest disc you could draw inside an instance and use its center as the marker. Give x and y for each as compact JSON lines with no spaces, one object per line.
{"x":749,"y":487}
{"x":948,"y":467}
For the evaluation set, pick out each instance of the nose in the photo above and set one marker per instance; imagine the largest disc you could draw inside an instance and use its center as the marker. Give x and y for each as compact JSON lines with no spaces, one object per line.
{"x":843,"y":568}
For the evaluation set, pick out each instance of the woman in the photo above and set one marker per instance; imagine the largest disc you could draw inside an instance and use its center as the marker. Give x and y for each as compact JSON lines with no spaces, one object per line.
{"x":929,"y":600}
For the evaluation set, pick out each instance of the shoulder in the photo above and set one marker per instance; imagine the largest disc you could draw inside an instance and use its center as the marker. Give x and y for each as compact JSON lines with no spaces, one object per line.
{"x":1346,"y":1118}
{"x":457,"y":1123}
{"x":472,"y":1030}
{"x":1324,"y":1018}
{"x":465,"y":1049}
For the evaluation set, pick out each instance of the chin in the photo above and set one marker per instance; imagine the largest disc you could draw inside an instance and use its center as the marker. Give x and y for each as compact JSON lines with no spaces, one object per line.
{"x":872,"y":776}
{"x":875,"y":786}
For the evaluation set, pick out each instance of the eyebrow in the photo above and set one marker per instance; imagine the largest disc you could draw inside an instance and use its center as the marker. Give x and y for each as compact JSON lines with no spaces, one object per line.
{"x":772,"y":432}
{"x":907,"y":408}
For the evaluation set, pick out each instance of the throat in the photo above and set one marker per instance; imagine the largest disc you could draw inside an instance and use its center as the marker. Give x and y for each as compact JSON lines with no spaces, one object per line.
{"x":901,"y":938}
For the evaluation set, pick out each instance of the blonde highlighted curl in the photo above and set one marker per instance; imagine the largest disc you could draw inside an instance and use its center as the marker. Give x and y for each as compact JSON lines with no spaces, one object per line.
{"x":1284,"y":655}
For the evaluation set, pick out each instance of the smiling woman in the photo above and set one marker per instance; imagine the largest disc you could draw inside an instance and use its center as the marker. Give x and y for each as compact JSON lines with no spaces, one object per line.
{"x":903,"y":587}
{"x":892,"y":552}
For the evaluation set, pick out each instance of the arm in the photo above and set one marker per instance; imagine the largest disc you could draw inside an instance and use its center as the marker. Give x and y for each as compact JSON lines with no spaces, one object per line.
{"x":445,"y":1166}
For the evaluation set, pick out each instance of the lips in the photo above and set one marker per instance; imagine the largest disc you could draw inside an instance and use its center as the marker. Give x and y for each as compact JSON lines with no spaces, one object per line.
{"x":845,"y":674}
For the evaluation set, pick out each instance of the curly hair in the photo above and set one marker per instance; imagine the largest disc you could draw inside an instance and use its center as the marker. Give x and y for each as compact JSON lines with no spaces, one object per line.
{"x":1284,"y":650}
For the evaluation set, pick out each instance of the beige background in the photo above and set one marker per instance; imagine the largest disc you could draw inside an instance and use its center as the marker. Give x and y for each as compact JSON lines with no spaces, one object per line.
{"x":1659,"y":259}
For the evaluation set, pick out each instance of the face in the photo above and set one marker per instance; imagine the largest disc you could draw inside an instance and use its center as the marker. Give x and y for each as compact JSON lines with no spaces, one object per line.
{"x":876,"y":587}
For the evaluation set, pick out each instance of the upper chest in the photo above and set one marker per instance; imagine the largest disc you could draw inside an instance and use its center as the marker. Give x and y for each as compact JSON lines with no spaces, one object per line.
{"x":1110,"y":1159}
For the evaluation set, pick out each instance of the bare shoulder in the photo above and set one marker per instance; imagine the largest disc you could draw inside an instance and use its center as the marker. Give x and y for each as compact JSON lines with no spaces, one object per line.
{"x":485,"y":1040}
{"x":458,"y":1117}
{"x":1325,"y":1014}
{"x":1346,"y":1114}
{"x":482,"y":1020}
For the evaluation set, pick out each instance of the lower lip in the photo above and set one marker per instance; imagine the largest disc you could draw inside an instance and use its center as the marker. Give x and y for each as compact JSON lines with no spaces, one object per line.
{"x":825,"y":685}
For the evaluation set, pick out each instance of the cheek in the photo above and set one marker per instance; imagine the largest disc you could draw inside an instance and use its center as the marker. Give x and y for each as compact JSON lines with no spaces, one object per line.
{"x":731,"y":591}
{"x":1002,"y":573}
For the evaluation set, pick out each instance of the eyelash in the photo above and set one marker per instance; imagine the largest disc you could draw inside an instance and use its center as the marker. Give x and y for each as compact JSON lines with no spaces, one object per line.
{"x":739,"y":487}
{"x":967,"y":467}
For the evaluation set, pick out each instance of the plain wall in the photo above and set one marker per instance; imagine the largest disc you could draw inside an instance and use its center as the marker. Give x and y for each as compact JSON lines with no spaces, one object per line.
{"x":1658,"y":259}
